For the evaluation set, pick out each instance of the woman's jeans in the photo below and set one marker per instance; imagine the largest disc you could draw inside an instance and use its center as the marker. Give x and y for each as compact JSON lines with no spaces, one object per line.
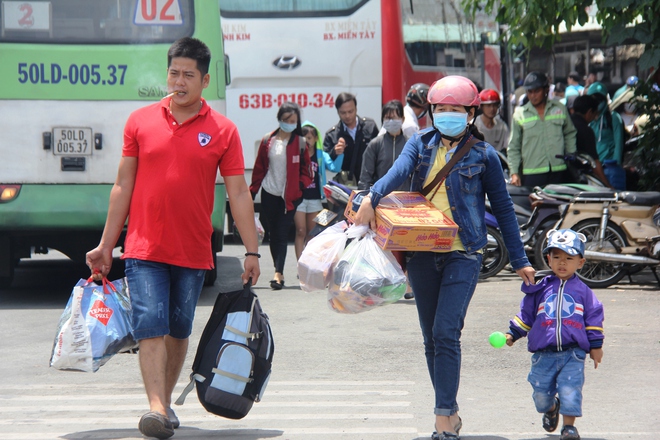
{"x":443,"y":284}
{"x":279,"y":221}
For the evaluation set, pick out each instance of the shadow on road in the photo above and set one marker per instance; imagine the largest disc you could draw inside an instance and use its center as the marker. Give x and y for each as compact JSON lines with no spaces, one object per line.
{"x":182,"y":432}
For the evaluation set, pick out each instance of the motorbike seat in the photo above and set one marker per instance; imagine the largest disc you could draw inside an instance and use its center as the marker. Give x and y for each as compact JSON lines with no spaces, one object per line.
{"x":645,"y":198}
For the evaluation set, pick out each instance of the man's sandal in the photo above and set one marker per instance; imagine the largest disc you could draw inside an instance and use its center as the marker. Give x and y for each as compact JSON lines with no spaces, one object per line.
{"x":551,"y":418}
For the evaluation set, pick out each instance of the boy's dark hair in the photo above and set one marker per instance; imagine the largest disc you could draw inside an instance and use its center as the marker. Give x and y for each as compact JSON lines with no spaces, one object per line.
{"x":192,"y":48}
{"x":344,"y":97}
{"x":584,"y":103}
{"x":574,"y":76}
{"x":394,"y":106}
{"x":560,"y":87}
{"x":290,"y":107}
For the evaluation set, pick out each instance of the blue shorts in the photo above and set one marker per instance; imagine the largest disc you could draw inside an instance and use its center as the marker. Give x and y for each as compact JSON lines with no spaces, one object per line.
{"x":163,"y":298}
{"x":561,"y":374}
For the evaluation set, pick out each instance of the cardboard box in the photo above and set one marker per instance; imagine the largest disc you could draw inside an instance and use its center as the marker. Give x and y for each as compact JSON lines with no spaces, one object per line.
{"x":407,"y":221}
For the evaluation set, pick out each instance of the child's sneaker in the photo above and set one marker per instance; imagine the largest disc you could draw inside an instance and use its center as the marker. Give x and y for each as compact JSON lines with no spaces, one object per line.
{"x":551,"y":418}
{"x":569,"y":432}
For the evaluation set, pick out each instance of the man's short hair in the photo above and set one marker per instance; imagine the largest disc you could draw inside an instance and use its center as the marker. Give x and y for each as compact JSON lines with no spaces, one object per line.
{"x":192,"y":48}
{"x":343,"y":98}
{"x":584,"y":103}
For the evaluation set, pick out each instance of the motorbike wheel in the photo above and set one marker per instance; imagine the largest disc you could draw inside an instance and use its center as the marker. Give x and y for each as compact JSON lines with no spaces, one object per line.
{"x":495,"y":255}
{"x":541,"y":241}
{"x":602,"y":274}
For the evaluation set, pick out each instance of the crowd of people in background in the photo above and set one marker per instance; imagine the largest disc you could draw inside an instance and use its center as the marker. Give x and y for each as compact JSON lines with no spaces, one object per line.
{"x":550,"y":122}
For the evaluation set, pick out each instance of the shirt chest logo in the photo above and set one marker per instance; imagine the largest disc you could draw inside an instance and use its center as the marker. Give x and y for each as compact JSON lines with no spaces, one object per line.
{"x":203,"y":139}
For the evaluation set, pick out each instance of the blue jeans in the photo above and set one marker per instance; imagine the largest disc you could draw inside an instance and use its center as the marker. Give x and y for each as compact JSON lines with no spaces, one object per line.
{"x":163,"y":298}
{"x":559,"y":373}
{"x":615,"y":174}
{"x":443,"y":284}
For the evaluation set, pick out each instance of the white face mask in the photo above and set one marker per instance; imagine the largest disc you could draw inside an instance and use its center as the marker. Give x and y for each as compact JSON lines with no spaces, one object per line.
{"x":393,"y":126}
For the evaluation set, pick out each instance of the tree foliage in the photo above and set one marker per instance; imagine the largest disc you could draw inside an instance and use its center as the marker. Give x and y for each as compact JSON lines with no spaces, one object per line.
{"x":536,"y":23}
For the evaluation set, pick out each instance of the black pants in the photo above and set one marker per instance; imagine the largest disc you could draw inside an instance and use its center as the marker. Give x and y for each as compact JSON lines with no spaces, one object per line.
{"x":279,"y":221}
{"x":544,"y":179}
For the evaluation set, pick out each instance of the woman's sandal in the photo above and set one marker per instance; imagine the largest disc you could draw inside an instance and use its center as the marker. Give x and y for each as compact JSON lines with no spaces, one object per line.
{"x":449,"y":435}
{"x":276,"y":285}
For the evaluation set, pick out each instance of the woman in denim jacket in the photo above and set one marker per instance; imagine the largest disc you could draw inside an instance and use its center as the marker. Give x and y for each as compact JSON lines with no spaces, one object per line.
{"x":444,"y":282}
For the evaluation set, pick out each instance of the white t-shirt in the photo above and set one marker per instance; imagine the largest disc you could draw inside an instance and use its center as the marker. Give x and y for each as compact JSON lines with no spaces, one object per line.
{"x":275,"y":179}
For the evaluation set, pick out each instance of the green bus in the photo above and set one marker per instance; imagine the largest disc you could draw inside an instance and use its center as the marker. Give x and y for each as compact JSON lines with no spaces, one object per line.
{"x":72,"y":71}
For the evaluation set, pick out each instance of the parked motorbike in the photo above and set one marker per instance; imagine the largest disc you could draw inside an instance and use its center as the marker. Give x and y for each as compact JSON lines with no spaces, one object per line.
{"x":622,"y":234}
{"x":495,"y":255}
{"x":337,"y":196}
{"x":545,"y":203}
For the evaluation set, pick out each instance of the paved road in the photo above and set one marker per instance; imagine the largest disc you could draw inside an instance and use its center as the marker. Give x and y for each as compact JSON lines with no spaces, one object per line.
{"x":334,"y":376}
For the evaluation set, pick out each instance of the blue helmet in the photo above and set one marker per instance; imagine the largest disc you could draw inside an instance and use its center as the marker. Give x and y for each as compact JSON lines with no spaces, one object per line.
{"x":566,"y":240}
{"x":632,"y":81}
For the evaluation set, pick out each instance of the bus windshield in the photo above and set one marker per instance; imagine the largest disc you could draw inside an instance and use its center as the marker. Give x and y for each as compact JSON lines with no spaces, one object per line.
{"x":97,"y":22}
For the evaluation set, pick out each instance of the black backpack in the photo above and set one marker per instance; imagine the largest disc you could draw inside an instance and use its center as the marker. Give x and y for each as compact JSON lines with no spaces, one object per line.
{"x":234,"y":357}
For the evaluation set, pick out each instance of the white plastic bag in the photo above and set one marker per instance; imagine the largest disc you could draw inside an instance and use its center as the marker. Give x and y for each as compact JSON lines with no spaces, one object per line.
{"x":320,"y":256}
{"x":95,"y":325}
{"x":260,"y":231}
{"x":365,"y":276}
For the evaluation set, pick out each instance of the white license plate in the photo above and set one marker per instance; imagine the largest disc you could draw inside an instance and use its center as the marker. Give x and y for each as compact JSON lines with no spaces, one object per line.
{"x":72,"y":141}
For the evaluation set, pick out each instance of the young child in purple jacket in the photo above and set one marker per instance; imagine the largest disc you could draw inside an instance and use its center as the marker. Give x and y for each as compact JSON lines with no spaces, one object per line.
{"x":563,"y":320}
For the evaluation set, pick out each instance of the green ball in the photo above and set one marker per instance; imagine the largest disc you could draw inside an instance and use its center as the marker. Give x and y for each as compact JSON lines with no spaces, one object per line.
{"x":497,"y":339}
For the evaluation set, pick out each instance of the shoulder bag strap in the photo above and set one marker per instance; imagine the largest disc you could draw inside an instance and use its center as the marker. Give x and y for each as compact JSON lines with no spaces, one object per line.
{"x":442,"y":174}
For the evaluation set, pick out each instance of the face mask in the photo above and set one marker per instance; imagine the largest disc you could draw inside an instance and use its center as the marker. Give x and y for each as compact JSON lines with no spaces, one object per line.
{"x":287,"y":128}
{"x":393,"y":126}
{"x":450,"y":123}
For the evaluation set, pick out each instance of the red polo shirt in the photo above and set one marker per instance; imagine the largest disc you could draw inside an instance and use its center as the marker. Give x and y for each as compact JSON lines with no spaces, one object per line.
{"x":170,"y":213}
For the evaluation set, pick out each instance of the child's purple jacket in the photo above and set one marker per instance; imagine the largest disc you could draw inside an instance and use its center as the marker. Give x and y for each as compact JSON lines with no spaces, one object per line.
{"x":581,"y":315}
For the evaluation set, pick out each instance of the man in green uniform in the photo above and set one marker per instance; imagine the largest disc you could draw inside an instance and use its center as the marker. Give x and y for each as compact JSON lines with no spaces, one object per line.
{"x":541,"y":130}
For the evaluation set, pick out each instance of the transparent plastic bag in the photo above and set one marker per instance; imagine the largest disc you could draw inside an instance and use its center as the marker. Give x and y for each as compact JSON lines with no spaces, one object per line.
{"x":365,"y":276}
{"x":320,"y":256}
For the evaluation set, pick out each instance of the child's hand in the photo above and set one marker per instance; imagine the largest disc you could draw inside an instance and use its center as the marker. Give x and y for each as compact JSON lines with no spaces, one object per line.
{"x":597,"y":355}
{"x":509,"y":340}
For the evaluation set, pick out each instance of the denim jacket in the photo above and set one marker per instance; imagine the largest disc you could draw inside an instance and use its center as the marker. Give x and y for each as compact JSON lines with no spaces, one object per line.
{"x":475,"y":175}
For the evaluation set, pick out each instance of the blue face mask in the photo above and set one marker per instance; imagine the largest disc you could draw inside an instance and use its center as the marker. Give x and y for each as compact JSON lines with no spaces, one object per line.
{"x":450,"y":123}
{"x":287,"y":128}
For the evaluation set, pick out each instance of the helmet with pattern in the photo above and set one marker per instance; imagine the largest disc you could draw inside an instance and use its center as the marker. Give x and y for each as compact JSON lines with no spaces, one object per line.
{"x":489,"y":96}
{"x":417,"y":95}
{"x":454,"y":90}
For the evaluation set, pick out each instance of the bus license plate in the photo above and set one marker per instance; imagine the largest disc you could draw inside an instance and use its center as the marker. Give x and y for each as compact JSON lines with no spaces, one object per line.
{"x":72,"y":141}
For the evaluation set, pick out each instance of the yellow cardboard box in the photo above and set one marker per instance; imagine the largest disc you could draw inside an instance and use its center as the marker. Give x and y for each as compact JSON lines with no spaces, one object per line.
{"x":407,"y":221}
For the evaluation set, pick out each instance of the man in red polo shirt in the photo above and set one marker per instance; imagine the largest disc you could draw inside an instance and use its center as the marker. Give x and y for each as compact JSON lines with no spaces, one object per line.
{"x":165,"y":186}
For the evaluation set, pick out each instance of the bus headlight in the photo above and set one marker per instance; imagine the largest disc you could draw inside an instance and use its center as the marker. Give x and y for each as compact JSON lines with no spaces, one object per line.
{"x":9,"y":192}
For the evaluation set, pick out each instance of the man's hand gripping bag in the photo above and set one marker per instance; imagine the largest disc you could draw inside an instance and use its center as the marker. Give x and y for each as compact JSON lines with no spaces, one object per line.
{"x":234,"y":357}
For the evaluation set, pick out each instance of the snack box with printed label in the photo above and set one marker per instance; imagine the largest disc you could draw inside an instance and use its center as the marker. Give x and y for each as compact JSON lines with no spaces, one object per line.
{"x":407,"y":221}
